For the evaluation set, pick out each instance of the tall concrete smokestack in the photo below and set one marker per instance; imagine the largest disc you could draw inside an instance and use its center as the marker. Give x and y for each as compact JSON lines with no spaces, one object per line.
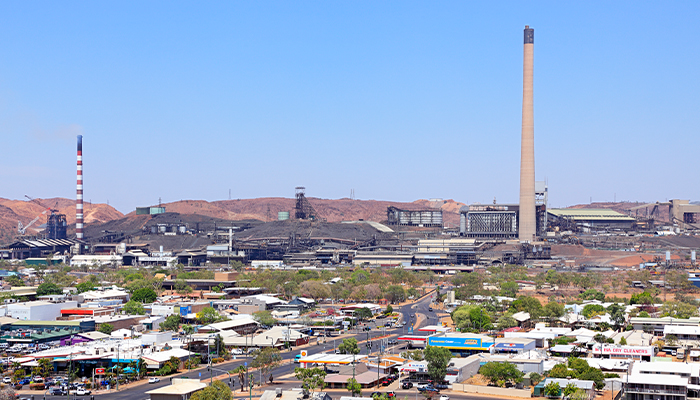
{"x":527,"y":215}
{"x":79,"y":193}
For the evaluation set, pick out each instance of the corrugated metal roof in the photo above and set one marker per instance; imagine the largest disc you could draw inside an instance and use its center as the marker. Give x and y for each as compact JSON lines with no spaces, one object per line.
{"x":589,"y":214}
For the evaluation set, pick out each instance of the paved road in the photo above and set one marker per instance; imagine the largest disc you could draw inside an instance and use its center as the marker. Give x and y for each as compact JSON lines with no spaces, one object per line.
{"x":420,"y":307}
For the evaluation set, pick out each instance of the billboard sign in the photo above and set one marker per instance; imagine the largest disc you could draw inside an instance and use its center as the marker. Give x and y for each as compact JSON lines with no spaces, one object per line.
{"x":618,"y":350}
{"x":99,"y":371}
{"x":459,"y":342}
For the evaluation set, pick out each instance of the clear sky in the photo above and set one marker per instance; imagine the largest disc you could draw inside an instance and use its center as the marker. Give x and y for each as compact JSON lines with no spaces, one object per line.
{"x":397,"y":100}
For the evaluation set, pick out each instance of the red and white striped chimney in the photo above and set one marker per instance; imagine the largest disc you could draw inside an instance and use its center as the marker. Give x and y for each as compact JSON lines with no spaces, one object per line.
{"x":79,"y":193}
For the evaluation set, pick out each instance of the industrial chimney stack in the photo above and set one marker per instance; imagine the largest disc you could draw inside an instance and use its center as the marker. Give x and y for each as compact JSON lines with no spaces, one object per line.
{"x":79,"y":193}
{"x":527,"y":223}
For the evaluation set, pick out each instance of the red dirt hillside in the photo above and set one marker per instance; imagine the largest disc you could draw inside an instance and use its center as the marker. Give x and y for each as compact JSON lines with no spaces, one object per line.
{"x":333,"y":210}
{"x":12,"y":211}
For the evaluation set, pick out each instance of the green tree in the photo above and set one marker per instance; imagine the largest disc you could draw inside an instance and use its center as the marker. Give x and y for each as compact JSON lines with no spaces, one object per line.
{"x":144,"y":295}
{"x":45,"y":366}
{"x":133,"y":308}
{"x":535,"y":378}
{"x":209,"y":315}
{"x":617,"y":315}
{"x":501,"y":373}
{"x":312,"y":378}
{"x":591,"y":310}
{"x":437,"y":358}
{"x":106,"y":329}
{"x":354,"y":388}
{"x":266,"y":359}
{"x":389,"y":309}
{"x":569,"y":389}
{"x":509,"y":289}
{"x":623,"y":341}
{"x":560,"y":371}
{"x":181,"y":286}
{"x":264,"y":318}
{"x":47,"y":288}
{"x":349,"y":346}
{"x":84,"y":287}
{"x":530,"y":305}
{"x":240,"y":371}
{"x":362,"y":314}
{"x":553,"y":311}
{"x":171,"y":323}
{"x":14,"y":280}
{"x":552,"y":389}
{"x":506,"y":321}
{"x":216,"y":391}
{"x":395,"y":294}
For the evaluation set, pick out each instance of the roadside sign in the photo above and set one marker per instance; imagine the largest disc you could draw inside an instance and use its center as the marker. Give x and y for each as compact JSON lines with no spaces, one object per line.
{"x":200,"y":374}
{"x":245,"y":363}
{"x":410,"y":331}
{"x":99,"y":371}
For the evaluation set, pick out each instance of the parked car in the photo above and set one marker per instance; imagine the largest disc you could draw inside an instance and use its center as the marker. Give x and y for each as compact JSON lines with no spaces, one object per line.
{"x":38,"y":379}
{"x":237,"y":352}
{"x":444,"y":397}
{"x":24,"y":381}
{"x":406,"y":385}
{"x":427,"y":388}
{"x":153,"y":380}
{"x":57,"y":391}
{"x":7,"y":379}
{"x":82,"y":392}
{"x":393,"y":341}
{"x":390,"y":394}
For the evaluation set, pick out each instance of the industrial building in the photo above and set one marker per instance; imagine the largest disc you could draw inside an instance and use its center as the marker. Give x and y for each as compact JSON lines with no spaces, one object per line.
{"x":420,"y":218}
{"x":497,"y":221}
{"x":41,"y":248}
{"x":588,"y":218}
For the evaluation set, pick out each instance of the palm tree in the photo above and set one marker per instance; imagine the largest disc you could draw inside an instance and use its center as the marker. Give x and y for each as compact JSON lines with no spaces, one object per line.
{"x":240,"y":370}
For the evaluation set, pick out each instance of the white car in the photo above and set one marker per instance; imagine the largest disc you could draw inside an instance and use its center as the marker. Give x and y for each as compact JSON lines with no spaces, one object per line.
{"x":237,"y":352}
{"x":153,"y":380}
{"x":443,"y":397}
{"x":82,"y":392}
{"x":7,"y":379}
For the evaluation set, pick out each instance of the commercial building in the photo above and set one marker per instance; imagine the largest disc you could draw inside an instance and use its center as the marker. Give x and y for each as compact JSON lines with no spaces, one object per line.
{"x":642,"y":353}
{"x":38,"y":310}
{"x":656,"y":325}
{"x":181,"y":389}
{"x":462,"y":343}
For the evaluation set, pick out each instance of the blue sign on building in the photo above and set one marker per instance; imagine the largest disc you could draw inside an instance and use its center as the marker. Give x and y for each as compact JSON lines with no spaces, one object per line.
{"x":459,"y":343}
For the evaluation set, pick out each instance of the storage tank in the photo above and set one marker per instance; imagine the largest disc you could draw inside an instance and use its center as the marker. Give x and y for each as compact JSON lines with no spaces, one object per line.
{"x":283,"y":215}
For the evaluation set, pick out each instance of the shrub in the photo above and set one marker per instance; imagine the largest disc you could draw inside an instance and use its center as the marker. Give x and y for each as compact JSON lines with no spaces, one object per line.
{"x":217,"y":360}
{"x":36,"y":386}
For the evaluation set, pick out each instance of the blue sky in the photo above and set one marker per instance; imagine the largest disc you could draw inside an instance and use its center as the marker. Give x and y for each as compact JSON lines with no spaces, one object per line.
{"x":396,"y":100}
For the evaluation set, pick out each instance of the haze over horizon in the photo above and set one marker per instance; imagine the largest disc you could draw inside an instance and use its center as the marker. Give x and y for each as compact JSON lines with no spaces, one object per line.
{"x":397,"y":100}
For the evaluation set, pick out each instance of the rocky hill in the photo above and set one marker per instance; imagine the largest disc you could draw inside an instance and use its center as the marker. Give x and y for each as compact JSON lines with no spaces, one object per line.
{"x":266,"y":208}
{"x":12,"y":211}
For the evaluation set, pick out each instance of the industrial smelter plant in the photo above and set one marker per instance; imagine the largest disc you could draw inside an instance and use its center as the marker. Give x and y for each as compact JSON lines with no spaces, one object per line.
{"x":302,"y":237}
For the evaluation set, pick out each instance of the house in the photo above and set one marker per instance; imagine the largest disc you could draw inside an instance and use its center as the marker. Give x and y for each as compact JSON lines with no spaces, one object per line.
{"x":242,"y":326}
{"x":587,"y":386}
{"x":181,"y":389}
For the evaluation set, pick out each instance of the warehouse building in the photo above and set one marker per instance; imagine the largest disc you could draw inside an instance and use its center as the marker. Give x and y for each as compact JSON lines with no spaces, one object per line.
{"x":569,"y":218}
